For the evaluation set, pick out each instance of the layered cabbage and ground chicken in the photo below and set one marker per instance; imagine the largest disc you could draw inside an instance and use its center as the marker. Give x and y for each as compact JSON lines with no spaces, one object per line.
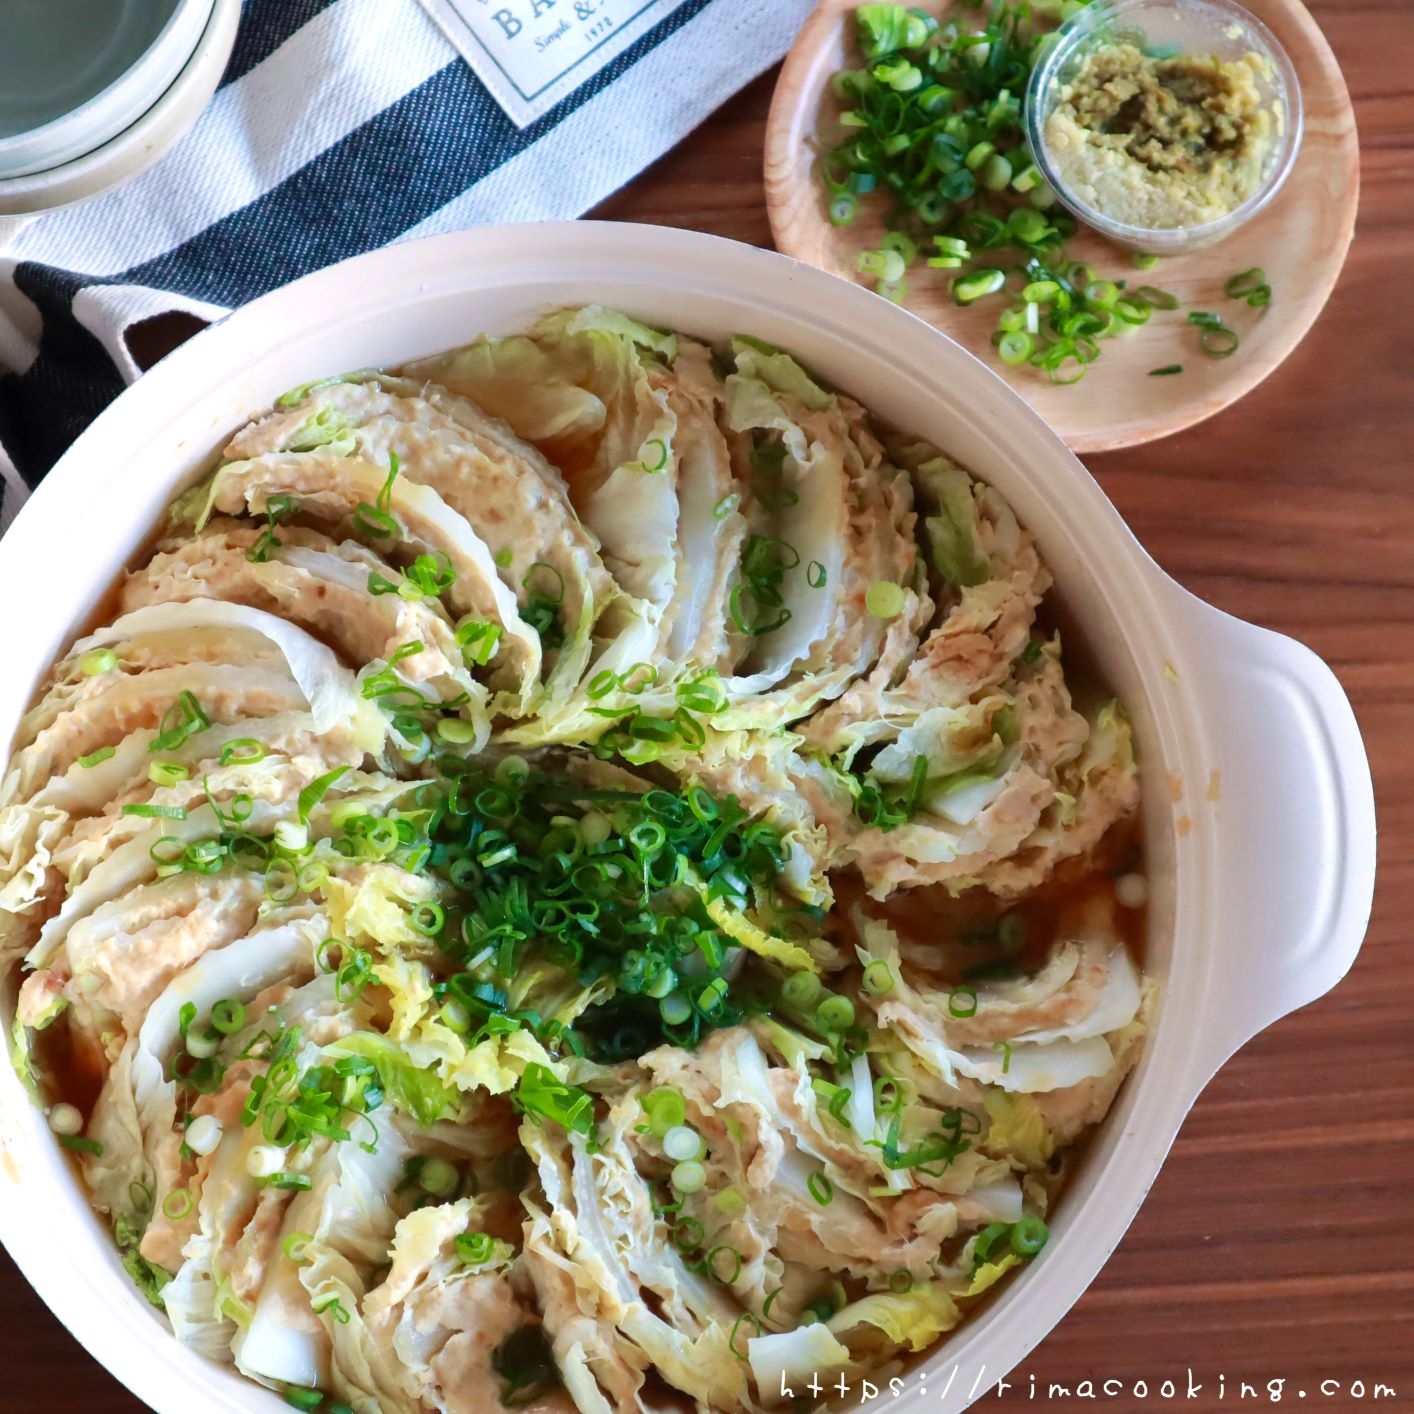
{"x":572,"y":877}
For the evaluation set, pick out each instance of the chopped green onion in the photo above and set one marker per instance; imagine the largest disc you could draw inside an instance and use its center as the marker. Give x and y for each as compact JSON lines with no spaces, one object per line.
{"x":65,"y":1119}
{"x":439,"y":1178}
{"x":202,"y":1045}
{"x":659,"y":459}
{"x":959,"y":185}
{"x":244,"y":751}
{"x":455,"y":731}
{"x":887,"y":265}
{"x":676,"y":1010}
{"x":478,"y":640}
{"x":1215,"y":338}
{"x":878,"y":978}
{"x":702,"y":695}
{"x":1026,"y":180}
{"x":801,"y":990}
{"x":1026,"y":226}
{"x":821,"y":1189}
{"x":228,"y":1017}
{"x":726,"y":1275}
{"x":157,"y":812}
{"x":843,"y":209}
{"x":741,"y":1351}
{"x":178,"y":1204}
{"x":98,"y":661}
{"x":689,"y":1177}
{"x":884,"y":599}
{"x":296,"y":1247}
{"x":474,"y":1249}
{"x":688,"y":1232}
{"x":94,"y":758}
{"x":1155,"y":298}
{"x":1166,"y":371}
{"x":996,"y":172}
{"x":711,"y":996}
{"x":836,"y":1013}
{"x":967,"y":289}
{"x":375,"y":520}
{"x":978,"y":156}
{"x":638,"y":679}
{"x":77,"y":1144}
{"x":185,"y":718}
{"x":1028,"y":1236}
{"x":292,"y":1182}
{"x":291,"y":836}
{"x":316,"y":790}
{"x":542,"y":1094}
{"x":167,"y":773}
{"x":545,"y":582}
{"x":1014,"y":347}
{"x":836,"y":1097}
{"x":666,"y":1110}
{"x":682,"y":1144}
{"x":1250,"y":285}
{"x":428,"y":918}
{"x":455,"y":1016}
{"x":962,"y":1002}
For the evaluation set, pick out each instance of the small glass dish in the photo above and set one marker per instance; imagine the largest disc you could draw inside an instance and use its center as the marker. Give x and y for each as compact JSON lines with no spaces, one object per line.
{"x":1169,"y":27}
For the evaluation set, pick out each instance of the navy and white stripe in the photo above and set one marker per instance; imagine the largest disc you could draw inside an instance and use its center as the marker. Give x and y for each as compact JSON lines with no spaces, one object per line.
{"x":340,"y":126}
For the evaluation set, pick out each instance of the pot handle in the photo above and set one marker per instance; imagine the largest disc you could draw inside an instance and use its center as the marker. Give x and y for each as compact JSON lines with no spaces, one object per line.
{"x":1296,"y":823}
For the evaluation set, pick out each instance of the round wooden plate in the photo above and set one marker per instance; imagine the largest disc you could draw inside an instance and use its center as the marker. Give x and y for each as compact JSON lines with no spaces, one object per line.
{"x":1300,"y":240}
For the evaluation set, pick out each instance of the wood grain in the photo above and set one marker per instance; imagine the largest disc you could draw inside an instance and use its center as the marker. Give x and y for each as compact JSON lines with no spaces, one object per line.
{"x":1300,"y":240}
{"x":1279,"y":1240}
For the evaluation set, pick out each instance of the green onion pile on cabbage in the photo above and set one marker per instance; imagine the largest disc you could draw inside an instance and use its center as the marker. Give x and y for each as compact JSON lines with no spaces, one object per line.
{"x":461,"y":898}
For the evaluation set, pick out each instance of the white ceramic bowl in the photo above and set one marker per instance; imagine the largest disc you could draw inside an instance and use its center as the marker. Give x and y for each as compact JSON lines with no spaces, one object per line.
{"x":168,"y":114}
{"x":147,"y":43}
{"x":1260,"y":897}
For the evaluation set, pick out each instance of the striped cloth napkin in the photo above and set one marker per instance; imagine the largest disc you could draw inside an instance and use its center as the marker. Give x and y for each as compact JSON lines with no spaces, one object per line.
{"x":340,"y":126}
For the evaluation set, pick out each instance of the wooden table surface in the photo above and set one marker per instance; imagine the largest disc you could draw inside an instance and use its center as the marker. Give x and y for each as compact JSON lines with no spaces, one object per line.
{"x":1278,"y":1243}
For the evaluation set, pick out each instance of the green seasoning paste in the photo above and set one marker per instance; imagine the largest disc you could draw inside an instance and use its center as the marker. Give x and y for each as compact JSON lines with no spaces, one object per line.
{"x":1162,"y":143}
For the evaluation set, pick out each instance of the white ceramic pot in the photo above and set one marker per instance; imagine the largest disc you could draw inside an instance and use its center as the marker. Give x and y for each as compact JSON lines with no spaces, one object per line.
{"x":142,"y":44}
{"x":169,"y":104}
{"x":1262,"y":873}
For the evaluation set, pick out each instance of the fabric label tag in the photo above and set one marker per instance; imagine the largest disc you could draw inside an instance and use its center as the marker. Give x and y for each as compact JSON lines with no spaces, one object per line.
{"x":531,"y":53}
